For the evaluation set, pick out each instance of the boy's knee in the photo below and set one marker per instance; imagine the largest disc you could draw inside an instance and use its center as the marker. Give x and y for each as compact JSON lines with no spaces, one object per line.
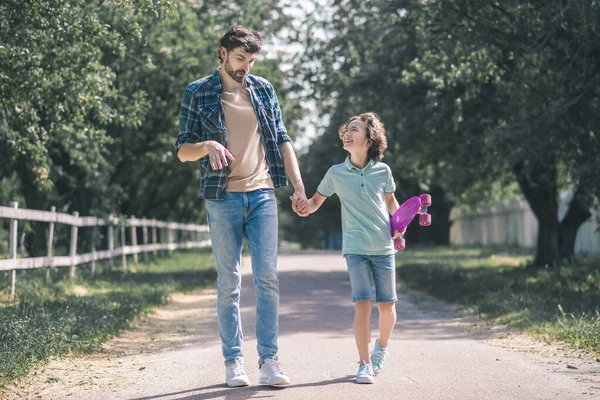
{"x":386,"y":307}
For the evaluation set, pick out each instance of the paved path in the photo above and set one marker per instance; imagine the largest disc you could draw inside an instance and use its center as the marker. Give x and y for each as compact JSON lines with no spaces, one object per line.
{"x":175,"y":353}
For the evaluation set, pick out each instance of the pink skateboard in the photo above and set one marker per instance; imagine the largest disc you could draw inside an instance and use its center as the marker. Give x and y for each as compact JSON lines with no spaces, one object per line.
{"x":405,"y":214}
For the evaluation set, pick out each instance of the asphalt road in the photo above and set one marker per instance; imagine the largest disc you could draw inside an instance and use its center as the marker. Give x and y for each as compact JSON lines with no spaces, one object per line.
{"x":175,"y":353}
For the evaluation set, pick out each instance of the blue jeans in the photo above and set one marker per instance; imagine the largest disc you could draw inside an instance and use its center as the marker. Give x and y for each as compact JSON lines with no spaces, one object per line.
{"x":253,"y":215}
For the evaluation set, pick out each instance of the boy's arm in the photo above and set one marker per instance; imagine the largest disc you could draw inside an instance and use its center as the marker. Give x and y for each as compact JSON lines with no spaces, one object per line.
{"x":392,"y":206}
{"x":391,"y":203}
{"x":315,"y":202}
{"x":311,"y":205}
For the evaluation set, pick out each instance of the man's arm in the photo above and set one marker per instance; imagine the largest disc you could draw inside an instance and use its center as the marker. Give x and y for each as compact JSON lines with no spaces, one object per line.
{"x":290,"y":163}
{"x":189,"y":145}
{"x":216,"y":151}
{"x":192,"y":151}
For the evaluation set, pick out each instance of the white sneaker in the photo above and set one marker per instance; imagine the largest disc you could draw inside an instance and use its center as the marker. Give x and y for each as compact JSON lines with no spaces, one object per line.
{"x":235,"y":375}
{"x":271,"y":375}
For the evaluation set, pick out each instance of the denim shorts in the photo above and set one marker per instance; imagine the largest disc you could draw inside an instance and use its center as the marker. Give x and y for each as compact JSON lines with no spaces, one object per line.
{"x":368,"y":271}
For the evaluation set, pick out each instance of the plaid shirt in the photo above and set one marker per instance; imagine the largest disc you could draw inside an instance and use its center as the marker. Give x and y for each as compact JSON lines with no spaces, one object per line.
{"x":202,"y":118}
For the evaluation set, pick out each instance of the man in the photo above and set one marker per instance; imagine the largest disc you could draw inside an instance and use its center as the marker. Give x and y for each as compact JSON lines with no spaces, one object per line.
{"x":231,"y":122}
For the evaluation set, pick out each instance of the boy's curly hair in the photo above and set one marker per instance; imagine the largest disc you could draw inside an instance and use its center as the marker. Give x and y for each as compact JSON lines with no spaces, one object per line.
{"x":375,"y":132}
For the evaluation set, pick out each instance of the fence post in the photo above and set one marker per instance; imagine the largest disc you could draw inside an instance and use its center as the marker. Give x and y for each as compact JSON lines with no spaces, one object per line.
{"x":145,"y":239}
{"x":49,"y":244}
{"x":73,"y":253}
{"x":12,"y":275}
{"x":123,"y":255}
{"x":111,"y":242}
{"x":154,"y":238}
{"x":93,"y":267}
{"x":170,"y":237}
{"x":134,"y":239}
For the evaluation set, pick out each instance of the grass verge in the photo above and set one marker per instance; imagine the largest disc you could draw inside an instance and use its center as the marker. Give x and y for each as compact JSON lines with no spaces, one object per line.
{"x":49,"y":320}
{"x":557,"y":304}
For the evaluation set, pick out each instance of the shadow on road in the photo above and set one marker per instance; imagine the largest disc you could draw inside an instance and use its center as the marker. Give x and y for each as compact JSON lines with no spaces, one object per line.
{"x":253,"y":392}
{"x":314,"y":298}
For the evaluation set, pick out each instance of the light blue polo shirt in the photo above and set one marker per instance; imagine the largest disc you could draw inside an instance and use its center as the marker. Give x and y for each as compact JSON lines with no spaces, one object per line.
{"x":365,"y":219}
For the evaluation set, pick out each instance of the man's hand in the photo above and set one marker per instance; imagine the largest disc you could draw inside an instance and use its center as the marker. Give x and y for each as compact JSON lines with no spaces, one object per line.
{"x":303,"y":207}
{"x":299,"y":203}
{"x":218,"y":155}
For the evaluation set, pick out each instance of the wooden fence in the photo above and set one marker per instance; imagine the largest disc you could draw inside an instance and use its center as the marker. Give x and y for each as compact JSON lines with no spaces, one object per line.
{"x":196,"y":236}
{"x":514,"y":224}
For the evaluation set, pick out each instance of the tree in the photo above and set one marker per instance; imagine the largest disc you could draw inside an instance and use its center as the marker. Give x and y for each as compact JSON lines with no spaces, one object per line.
{"x":475,"y":95}
{"x":90,"y":96}
{"x":56,"y":96}
{"x":543,"y":94}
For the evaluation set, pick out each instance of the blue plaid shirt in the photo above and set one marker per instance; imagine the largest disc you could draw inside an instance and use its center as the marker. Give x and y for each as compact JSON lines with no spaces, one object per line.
{"x":202,"y":118}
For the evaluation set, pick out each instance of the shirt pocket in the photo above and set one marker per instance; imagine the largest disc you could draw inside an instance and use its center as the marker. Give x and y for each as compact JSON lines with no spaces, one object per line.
{"x":209,"y":117}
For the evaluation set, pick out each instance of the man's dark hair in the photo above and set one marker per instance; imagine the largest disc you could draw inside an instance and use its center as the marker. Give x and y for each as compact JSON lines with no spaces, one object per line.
{"x":238,"y":36}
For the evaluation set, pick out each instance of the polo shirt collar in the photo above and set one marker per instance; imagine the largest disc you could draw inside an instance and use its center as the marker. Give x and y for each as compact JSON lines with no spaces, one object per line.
{"x":351,"y":167}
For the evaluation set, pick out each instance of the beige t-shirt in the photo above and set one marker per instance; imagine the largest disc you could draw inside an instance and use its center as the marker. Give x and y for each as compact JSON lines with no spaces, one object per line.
{"x":249,"y":171}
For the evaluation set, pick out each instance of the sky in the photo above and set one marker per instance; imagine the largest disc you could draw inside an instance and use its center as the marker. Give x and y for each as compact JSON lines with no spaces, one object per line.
{"x":298,"y":10}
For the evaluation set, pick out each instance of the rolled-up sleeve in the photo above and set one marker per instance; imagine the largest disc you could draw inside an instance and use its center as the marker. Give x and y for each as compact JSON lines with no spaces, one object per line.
{"x":282,"y":135}
{"x":188,"y":119}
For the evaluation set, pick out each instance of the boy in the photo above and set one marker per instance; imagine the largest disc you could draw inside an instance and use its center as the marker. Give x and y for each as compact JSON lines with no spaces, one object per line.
{"x":366,"y":188}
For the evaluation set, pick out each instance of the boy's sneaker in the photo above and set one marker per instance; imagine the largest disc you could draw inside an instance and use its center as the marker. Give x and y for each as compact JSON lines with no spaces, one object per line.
{"x":271,"y":375}
{"x":235,"y":375}
{"x":365,"y":374}
{"x":378,"y":356}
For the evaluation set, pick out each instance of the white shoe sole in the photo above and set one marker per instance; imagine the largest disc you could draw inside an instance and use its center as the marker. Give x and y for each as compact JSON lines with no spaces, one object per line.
{"x":279,"y":383}
{"x":365,"y":380}
{"x":238,"y":383}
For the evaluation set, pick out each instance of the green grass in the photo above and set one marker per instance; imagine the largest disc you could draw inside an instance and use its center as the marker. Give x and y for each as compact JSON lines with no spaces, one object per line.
{"x":48,"y":320}
{"x":558,"y":304}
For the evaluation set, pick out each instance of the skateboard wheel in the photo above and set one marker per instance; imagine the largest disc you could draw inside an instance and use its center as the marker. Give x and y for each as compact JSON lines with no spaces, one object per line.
{"x":425,"y":219}
{"x":399,"y":243}
{"x":425,"y":199}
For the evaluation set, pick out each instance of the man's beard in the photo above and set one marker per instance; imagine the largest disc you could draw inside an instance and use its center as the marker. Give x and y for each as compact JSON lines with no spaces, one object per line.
{"x":232,"y":73}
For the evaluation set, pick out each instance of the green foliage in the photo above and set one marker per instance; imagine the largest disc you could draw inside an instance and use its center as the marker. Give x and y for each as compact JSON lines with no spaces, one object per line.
{"x":90,"y":95}
{"x":48,"y":320}
{"x":57,"y":96}
{"x":560,"y":304}
{"x":475,"y":95}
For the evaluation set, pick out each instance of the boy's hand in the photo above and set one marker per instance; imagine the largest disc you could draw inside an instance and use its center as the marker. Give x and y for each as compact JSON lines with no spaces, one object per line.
{"x":398,"y":233}
{"x":304,"y":211}
{"x":300,"y":206}
{"x":298,"y":196}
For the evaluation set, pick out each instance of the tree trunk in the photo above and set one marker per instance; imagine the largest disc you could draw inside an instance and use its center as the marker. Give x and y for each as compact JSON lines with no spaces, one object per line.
{"x":35,"y":241}
{"x":539,"y":186}
{"x":576,"y":215}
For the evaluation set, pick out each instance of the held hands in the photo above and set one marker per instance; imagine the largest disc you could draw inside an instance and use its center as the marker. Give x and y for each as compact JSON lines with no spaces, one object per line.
{"x":300,"y":204}
{"x":218,"y":155}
